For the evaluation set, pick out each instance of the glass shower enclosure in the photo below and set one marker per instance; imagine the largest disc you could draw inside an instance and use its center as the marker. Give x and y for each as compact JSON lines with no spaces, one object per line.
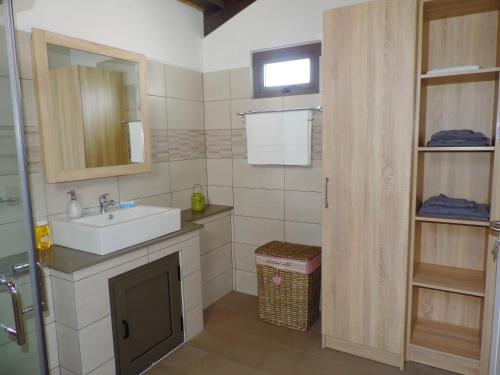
{"x":22,"y":348}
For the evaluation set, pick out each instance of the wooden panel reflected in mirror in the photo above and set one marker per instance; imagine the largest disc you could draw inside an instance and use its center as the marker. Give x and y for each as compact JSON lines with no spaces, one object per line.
{"x":92,"y":104}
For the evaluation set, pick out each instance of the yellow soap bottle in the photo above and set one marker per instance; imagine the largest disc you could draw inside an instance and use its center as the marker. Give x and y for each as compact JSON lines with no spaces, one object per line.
{"x":42,"y":235}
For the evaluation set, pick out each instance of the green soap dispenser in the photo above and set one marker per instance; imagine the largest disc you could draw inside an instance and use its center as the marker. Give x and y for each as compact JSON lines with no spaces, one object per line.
{"x":197,"y":199}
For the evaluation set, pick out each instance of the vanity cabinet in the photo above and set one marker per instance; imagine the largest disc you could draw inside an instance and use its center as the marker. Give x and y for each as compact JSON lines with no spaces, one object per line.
{"x":146,"y":314}
{"x":369,"y":67}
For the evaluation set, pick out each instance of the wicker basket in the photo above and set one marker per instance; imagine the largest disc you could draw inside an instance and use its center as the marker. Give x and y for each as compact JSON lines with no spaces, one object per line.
{"x":289,"y":281}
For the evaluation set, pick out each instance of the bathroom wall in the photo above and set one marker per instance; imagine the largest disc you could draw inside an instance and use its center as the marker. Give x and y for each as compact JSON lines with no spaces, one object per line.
{"x":270,"y":202}
{"x":164,"y":30}
{"x":265,"y":24}
{"x":179,"y":159}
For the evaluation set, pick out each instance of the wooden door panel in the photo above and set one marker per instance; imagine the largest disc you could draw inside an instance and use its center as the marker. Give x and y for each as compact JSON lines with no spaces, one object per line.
{"x":369,"y":84}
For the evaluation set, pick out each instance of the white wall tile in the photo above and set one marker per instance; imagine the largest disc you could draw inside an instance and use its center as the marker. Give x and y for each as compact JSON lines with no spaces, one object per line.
{"x":190,"y":256}
{"x":51,"y":345}
{"x":262,"y":176}
{"x":87,"y":191}
{"x":239,"y":106}
{"x":157,"y":112}
{"x":96,"y":344}
{"x":107,"y":369}
{"x":92,"y":306}
{"x":69,"y":348}
{"x":215,"y":234}
{"x":186,"y":173}
{"x":23,"y":48}
{"x":183,"y":83}
{"x":156,"y":78}
{"x":63,"y":294}
{"x":38,"y":201}
{"x":191,"y":290}
{"x":217,"y":288}
{"x":304,"y":178}
{"x":146,"y":184}
{"x":246,"y":105}
{"x":216,"y":262}
{"x":246,"y":282}
{"x":259,"y":203}
{"x":257,"y":231}
{"x":241,"y":83}
{"x":218,"y":115}
{"x":185,"y":114}
{"x":220,"y":172}
{"x":216,"y":85}
{"x":193,"y":321}
{"x":162,"y":200}
{"x":28,"y":103}
{"x":303,"y":206}
{"x":302,"y":233}
{"x":244,"y":257}
{"x":220,"y":195}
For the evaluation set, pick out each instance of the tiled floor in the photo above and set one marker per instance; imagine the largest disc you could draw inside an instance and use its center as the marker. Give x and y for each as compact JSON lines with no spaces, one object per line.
{"x":236,"y":342}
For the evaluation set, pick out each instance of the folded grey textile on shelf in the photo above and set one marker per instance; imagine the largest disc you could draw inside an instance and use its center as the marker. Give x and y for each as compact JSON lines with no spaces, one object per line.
{"x":457,"y":138}
{"x":454,"y":208}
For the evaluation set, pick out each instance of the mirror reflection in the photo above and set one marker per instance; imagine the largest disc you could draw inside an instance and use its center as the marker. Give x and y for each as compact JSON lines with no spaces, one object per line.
{"x":96,"y":109}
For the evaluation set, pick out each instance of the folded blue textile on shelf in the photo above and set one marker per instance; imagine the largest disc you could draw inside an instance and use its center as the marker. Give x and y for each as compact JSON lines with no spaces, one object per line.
{"x":458,"y":138}
{"x":454,"y":208}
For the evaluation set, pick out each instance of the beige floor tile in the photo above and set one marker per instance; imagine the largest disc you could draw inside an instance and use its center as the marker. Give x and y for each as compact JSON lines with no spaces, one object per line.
{"x":219,"y":365}
{"x":239,"y":348}
{"x":236,"y":342}
{"x":183,"y":358}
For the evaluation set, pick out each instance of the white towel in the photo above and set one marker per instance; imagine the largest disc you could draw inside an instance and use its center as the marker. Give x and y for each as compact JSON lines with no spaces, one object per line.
{"x":282,"y":138}
{"x":136,"y":138}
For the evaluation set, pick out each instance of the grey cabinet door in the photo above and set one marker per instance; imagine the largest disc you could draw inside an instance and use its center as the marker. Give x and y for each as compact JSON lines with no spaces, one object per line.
{"x":146,"y":310}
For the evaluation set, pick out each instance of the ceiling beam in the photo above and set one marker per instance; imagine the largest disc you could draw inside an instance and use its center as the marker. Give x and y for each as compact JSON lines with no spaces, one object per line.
{"x":213,"y":18}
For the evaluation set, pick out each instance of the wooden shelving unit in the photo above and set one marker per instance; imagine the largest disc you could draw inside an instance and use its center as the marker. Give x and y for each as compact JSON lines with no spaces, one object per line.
{"x":447,"y":338}
{"x":474,"y":223}
{"x":451,"y":275}
{"x":463,"y":73}
{"x":450,"y":279}
{"x":456,"y":149}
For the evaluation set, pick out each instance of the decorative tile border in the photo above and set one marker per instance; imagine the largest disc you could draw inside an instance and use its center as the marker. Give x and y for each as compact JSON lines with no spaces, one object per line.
{"x":239,"y":143}
{"x":317,"y":142}
{"x":8,"y":153}
{"x":159,"y":145}
{"x":219,"y":144}
{"x":33,"y":149}
{"x":186,"y":144}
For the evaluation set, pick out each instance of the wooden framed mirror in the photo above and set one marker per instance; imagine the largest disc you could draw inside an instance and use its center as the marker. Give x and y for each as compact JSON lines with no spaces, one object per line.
{"x":92,"y":106}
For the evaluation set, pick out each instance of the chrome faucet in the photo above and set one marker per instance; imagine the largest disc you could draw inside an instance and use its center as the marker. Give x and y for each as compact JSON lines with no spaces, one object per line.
{"x":104,"y":203}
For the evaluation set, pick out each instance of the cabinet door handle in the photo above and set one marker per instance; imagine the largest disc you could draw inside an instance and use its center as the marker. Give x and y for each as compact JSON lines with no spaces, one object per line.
{"x":326,"y":191}
{"x":127,"y":331}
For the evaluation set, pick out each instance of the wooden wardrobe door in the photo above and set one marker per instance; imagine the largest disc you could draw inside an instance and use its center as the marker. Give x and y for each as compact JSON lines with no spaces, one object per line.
{"x":369,"y":89}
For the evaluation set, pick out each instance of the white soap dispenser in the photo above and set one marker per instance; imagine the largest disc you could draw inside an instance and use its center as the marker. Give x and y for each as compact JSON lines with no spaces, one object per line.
{"x":74,"y":207}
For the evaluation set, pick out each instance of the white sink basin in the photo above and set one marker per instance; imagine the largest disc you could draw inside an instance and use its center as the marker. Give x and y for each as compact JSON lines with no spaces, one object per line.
{"x":115,"y":230}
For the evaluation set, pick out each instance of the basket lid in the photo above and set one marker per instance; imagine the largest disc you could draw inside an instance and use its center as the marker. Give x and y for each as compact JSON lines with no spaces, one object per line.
{"x":288,"y":250}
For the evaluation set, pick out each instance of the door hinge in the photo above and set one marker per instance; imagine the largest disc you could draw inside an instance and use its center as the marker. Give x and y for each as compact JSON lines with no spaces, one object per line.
{"x":179,"y":273}
{"x":182,"y":324}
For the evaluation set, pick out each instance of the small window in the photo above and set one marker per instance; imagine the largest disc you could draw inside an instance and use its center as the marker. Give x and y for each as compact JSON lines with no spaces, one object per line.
{"x":286,"y":71}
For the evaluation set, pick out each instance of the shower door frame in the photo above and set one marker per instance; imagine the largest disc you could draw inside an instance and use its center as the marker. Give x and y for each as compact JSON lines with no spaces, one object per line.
{"x":15,"y":89}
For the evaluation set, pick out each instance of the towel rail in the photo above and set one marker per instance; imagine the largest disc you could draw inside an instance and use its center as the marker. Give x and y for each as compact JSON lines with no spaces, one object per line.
{"x":317,"y":109}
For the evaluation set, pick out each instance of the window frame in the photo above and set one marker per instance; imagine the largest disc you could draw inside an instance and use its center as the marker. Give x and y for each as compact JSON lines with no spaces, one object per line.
{"x":310,"y":51}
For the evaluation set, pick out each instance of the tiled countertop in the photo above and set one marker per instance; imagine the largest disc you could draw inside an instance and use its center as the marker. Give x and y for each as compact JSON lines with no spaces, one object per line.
{"x":67,"y":260}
